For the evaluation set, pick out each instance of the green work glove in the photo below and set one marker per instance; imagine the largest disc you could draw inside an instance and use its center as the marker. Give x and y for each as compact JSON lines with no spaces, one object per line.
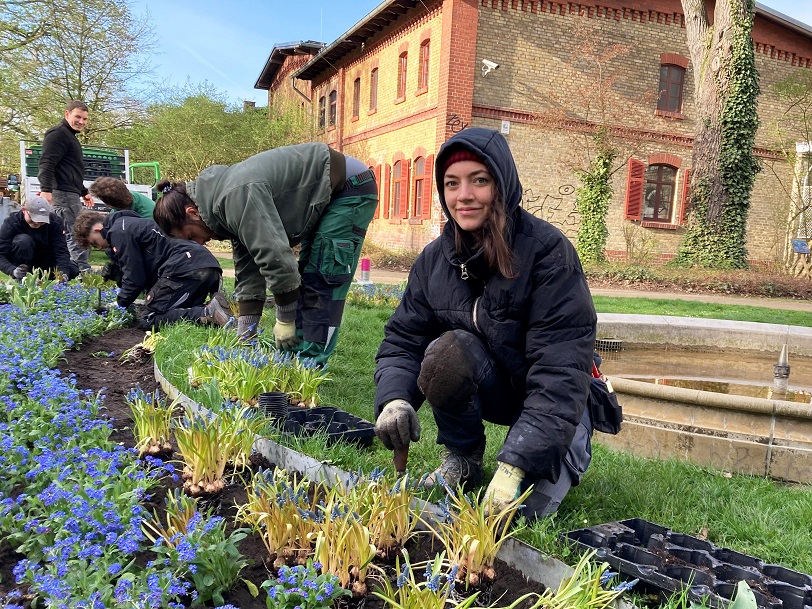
{"x":397,"y":425}
{"x":504,"y":486}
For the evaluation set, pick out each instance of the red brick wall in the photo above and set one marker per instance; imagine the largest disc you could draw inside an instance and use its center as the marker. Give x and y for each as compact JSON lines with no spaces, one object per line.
{"x":550,"y":126}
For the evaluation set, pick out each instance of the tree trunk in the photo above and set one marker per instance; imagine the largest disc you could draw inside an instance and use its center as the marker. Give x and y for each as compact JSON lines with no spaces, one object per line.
{"x":723,"y":168}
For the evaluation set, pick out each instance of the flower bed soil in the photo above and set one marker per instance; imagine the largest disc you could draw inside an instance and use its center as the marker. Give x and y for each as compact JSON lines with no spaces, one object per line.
{"x":92,"y":370}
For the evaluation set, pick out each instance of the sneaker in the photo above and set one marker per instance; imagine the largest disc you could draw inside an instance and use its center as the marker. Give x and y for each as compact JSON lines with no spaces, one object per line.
{"x":217,"y":311}
{"x":458,"y":469}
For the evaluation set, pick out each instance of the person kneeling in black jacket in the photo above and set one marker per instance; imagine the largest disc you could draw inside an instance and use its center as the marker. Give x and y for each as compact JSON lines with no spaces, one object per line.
{"x":496,"y":324}
{"x":34,"y":238}
{"x":177,"y":274}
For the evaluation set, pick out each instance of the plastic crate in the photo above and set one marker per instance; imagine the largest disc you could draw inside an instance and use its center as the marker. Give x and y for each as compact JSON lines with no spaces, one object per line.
{"x":671,"y":562}
{"x":99,"y":162}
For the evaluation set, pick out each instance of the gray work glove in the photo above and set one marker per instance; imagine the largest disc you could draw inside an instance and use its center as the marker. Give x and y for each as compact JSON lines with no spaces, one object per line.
{"x":247,"y":326}
{"x":21,"y":271}
{"x":397,"y":425}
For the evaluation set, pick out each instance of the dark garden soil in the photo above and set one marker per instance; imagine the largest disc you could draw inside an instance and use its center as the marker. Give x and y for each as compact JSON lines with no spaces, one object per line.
{"x":93,"y":370}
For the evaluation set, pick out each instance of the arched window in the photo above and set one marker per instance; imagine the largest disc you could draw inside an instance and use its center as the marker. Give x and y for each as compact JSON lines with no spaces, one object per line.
{"x":658,"y":198}
{"x":672,"y":81}
{"x":400,"y":189}
{"x":373,"y":90}
{"x":423,"y":69}
{"x":356,"y":97}
{"x":322,"y":111}
{"x":421,"y":192}
{"x":333,"y":107}
{"x":402,"y":63}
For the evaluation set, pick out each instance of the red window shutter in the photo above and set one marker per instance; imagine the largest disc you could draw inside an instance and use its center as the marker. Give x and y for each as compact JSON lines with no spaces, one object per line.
{"x":686,"y":194}
{"x":387,"y":189}
{"x":634,"y":189}
{"x":378,"y":182}
{"x":405,"y":188}
{"x":427,"y":190}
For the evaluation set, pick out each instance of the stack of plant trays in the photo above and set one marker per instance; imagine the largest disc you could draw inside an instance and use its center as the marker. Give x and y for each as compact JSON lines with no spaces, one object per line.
{"x":339,"y":425}
{"x":669,"y":562}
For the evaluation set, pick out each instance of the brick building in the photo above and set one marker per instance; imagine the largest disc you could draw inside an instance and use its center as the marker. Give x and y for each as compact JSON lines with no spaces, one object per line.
{"x":546,"y":73}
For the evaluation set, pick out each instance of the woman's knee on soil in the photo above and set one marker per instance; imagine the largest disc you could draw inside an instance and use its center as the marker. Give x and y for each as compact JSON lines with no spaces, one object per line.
{"x":448,"y":373}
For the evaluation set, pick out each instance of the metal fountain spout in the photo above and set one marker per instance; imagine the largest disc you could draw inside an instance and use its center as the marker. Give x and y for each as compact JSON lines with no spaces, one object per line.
{"x":781,"y":371}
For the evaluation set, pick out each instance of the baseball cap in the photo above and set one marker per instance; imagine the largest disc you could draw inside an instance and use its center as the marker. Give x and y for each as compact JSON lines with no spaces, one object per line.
{"x":38,"y":208}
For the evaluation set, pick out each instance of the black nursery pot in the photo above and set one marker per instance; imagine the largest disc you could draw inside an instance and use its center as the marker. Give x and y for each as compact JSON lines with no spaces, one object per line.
{"x":275,"y":404}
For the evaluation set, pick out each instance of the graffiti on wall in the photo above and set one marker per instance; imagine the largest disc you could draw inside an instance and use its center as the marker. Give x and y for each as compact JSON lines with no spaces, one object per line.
{"x":455,"y":123}
{"x":558,"y":210}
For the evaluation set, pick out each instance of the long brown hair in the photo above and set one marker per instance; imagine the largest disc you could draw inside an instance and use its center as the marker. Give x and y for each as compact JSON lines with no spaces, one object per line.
{"x":170,"y":209}
{"x":492,"y":238}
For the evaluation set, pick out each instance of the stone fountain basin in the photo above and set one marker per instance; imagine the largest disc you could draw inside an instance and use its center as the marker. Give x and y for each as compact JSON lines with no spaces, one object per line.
{"x":765,"y":437}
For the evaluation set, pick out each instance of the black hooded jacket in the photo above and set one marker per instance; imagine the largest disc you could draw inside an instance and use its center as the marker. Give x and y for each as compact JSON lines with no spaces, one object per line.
{"x":539,"y":326}
{"x":144,"y":253}
{"x":50,"y":247}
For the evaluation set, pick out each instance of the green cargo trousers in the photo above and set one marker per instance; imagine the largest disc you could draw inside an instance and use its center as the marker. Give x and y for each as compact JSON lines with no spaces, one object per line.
{"x":327,"y":263}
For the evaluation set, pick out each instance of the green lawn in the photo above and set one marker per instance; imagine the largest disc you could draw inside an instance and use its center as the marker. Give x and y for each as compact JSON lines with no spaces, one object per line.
{"x":749,"y":514}
{"x":691,"y":308}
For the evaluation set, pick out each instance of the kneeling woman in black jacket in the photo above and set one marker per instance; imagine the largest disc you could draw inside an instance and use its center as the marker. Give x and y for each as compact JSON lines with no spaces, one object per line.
{"x":496,"y":324}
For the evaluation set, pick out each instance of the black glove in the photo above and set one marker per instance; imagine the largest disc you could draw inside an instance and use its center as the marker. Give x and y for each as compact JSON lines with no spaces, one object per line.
{"x":21,"y":271}
{"x":111,"y":272}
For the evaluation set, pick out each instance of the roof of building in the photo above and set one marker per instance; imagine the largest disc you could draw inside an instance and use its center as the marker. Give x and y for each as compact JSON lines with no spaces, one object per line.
{"x":782,"y":19}
{"x":389,"y":10}
{"x":278,"y":55}
{"x":378,"y":19}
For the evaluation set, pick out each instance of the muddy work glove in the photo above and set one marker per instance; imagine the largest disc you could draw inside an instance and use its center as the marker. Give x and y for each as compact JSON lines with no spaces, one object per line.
{"x":247,"y":326}
{"x":397,"y":425}
{"x":284,"y":330}
{"x":505,"y":485}
{"x":21,"y":271}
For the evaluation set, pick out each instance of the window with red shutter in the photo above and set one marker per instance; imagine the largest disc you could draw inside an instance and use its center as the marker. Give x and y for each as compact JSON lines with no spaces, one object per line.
{"x":418,"y":191}
{"x":634,"y":189}
{"x":386,"y":180}
{"x":378,"y":182}
{"x":427,"y":181}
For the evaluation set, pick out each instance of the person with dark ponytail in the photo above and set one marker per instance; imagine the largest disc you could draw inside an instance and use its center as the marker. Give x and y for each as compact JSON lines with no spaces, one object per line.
{"x":496,"y":324}
{"x":307,"y":195}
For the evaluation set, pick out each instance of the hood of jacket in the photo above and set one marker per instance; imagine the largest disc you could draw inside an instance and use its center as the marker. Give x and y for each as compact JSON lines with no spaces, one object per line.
{"x":493,"y":148}
{"x":209,"y":177}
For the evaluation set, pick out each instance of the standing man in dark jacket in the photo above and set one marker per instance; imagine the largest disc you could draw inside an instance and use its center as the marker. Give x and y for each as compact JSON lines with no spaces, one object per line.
{"x":178,"y":275}
{"x":62,"y":172}
{"x":34,"y":238}
{"x":496,"y":324}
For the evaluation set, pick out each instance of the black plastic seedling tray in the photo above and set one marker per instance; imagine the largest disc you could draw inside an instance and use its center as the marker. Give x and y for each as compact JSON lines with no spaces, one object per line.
{"x":339,"y":425}
{"x":670,"y":562}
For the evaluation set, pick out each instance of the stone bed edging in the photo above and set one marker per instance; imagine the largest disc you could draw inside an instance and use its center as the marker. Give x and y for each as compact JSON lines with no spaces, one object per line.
{"x":529,"y":561}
